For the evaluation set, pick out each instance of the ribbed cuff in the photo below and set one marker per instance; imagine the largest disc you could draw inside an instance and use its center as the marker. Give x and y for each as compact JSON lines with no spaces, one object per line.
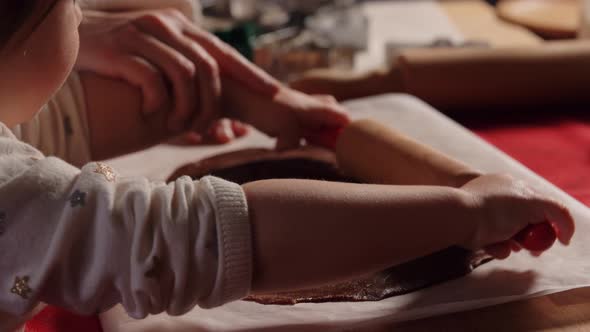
{"x":235,"y":242}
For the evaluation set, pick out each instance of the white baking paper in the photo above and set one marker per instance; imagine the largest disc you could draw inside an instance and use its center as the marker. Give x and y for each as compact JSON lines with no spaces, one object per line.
{"x":413,"y":22}
{"x":521,"y":276}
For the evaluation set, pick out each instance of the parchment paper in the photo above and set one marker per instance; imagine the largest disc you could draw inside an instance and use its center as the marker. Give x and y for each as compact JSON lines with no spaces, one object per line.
{"x":402,"y":22}
{"x":521,"y":276}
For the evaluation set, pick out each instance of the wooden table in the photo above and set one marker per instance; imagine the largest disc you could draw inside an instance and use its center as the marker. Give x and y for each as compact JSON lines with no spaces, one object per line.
{"x":567,"y":311}
{"x":477,"y":20}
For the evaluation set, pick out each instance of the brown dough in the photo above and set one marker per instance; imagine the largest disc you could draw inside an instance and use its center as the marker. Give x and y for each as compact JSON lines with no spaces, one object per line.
{"x":319,"y":164}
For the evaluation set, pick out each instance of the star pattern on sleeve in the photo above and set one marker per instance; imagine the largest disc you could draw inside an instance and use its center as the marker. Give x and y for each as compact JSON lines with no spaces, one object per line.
{"x":21,"y":287}
{"x":106,"y":171}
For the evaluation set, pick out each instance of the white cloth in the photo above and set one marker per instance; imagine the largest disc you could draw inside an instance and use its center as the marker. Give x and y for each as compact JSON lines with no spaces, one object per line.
{"x":402,"y":22}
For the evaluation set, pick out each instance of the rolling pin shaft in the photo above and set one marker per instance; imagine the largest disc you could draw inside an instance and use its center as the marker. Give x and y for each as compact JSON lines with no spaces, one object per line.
{"x":375,"y":153}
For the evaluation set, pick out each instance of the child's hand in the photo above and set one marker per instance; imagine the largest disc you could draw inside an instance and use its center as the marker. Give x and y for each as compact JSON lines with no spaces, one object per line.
{"x":289,"y":115}
{"x":504,"y":207}
{"x":221,"y":132}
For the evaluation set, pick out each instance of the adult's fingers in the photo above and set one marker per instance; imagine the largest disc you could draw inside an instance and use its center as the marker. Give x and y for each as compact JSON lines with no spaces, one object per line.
{"x":179,"y":70}
{"x":233,"y":63}
{"x":206,"y":67}
{"x":140,"y":73}
{"x":210,"y":87}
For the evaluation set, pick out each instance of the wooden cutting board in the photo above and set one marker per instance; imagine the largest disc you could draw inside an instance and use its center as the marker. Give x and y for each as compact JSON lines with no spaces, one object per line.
{"x":555,"y":19}
{"x":477,"y":20}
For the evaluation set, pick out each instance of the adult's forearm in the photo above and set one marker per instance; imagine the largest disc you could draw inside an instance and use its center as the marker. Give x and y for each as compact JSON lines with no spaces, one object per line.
{"x":307,"y":233}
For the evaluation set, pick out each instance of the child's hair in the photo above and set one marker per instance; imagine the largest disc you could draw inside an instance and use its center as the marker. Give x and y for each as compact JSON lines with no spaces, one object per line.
{"x":14,"y":13}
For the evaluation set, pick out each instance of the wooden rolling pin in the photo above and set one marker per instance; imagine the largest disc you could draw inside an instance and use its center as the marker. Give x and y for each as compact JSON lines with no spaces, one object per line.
{"x":547,"y":76}
{"x":553,"y":75}
{"x":374,"y":153}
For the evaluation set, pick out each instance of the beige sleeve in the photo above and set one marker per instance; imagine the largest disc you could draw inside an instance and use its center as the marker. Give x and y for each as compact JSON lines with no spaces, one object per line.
{"x":87,"y":239}
{"x":60,"y":129}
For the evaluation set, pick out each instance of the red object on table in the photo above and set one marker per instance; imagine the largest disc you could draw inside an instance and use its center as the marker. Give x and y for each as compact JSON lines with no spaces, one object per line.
{"x":538,"y":237}
{"x":326,"y":138}
{"x":558,"y":150}
{"x":53,"y":319}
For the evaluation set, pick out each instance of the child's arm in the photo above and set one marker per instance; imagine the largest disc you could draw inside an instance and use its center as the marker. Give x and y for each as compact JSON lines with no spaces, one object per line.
{"x":309,"y":232}
{"x":87,"y":240}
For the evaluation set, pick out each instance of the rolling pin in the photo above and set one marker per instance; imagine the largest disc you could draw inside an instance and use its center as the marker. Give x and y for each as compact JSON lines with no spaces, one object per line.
{"x":549,"y":76}
{"x":374,"y":153}
{"x":553,"y":74}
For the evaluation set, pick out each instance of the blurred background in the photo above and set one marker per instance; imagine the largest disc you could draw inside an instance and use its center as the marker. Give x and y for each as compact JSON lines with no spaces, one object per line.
{"x":290,"y":37}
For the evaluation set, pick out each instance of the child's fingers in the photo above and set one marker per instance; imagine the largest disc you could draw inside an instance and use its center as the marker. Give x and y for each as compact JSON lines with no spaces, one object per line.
{"x":239,"y":128}
{"x":559,"y":217}
{"x":287,"y":141}
{"x":325,"y":137}
{"x":322,"y":116}
{"x":289,"y":137}
{"x":515,"y":246}
{"x":189,"y":138}
{"x":221,"y":131}
{"x":326,"y":98}
{"x":563,"y":223}
{"x":499,"y":250}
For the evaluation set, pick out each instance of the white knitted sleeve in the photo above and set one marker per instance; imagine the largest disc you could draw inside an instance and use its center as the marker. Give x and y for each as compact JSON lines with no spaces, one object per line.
{"x":88,"y":239}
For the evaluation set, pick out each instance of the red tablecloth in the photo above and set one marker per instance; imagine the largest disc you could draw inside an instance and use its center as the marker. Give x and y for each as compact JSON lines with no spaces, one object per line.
{"x":558,"y":150}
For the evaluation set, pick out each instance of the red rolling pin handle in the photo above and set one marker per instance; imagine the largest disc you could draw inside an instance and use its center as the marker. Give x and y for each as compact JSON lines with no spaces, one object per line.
{"x":537,"y":237}
{"x":326,"y":138}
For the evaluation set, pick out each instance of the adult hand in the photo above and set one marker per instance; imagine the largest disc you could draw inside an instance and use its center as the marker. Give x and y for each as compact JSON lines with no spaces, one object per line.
{"x":175,"y":64}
